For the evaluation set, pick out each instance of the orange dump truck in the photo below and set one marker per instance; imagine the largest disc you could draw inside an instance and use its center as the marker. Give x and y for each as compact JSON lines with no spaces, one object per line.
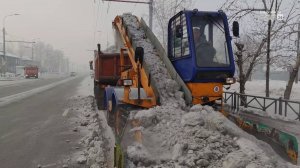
{"x":107,"y":72}
{"x":31,"y":72}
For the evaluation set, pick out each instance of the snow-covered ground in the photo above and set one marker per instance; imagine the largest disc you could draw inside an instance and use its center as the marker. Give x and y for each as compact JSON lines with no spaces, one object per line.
{"x":257,"y":87}
{"x":97,"y":144}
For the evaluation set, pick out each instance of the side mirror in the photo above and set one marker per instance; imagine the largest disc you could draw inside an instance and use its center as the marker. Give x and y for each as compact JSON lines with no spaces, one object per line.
{"x":139,"y":55}
{"x":236,"y":29}
{"x":179,"y":31}
{"x":91,"y":65}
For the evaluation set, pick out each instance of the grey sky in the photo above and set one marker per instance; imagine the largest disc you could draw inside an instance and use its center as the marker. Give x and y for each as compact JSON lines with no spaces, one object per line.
{"x":71,"y":25}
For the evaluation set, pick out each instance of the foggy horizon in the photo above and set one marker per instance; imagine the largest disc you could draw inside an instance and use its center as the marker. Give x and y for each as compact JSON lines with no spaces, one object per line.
{"x":73,"y":26}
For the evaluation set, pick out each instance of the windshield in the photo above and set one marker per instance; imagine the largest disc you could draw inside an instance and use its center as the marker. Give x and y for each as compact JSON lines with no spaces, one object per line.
{"x":209,"y":41}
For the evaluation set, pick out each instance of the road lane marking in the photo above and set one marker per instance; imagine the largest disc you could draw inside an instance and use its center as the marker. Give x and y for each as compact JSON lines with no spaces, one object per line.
{"x":50,"y":165}
{"x":19,"y":96}
{"x":65,"y":113}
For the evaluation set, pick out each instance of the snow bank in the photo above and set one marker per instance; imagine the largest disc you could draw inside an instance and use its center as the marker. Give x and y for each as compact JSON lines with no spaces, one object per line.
{"x":86,"y":87}
{"x":98,"y":141}
{"x":198,"y":137}
{"x":277,"y":87}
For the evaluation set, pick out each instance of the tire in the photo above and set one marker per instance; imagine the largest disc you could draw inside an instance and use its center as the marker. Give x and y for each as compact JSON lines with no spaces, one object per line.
{"x":95,"y":89}
{"x":100,"y":97}
{"x":99,"y":92}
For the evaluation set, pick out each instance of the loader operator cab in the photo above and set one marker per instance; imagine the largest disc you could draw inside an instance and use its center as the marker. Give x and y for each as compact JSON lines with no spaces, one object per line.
{"x":199,"y":46}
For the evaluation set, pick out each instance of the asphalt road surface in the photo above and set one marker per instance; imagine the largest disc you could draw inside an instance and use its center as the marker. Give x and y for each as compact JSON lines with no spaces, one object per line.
{"x":33,"y":131}
{"x":25,"y":85}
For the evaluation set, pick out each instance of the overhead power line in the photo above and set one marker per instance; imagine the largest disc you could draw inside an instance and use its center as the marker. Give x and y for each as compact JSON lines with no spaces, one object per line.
{"x":149,"y":2}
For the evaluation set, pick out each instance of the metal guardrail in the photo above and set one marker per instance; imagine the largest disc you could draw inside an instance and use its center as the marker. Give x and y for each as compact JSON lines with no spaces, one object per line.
{"x":279,"y":106}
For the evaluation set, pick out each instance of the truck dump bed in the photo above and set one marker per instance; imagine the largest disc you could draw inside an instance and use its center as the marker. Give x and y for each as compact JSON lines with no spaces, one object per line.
{"x":107,"y":68}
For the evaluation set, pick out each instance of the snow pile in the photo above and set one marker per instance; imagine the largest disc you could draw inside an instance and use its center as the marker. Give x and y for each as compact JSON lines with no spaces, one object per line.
{"x":198,"y":137}
{"x":95,"y":149}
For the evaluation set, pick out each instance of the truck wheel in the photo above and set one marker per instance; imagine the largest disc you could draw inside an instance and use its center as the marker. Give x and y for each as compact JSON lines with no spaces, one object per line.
{"x":95,"y":90}
{"x":100,"y":98}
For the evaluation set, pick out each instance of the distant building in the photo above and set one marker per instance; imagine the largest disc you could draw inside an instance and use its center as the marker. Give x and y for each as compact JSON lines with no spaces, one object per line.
{"x":12,"y":61}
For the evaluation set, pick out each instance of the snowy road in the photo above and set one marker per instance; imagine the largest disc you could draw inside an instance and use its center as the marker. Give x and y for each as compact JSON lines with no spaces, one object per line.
{"x":7,"y":89}
{"x":35,"y":130}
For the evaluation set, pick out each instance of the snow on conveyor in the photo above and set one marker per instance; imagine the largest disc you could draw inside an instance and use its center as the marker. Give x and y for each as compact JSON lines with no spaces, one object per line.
{"x":175,"y":136}
{"x":165,"y":85}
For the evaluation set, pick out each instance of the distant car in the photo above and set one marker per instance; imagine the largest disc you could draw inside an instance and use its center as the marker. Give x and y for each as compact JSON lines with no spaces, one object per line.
{"x":73,"y":74}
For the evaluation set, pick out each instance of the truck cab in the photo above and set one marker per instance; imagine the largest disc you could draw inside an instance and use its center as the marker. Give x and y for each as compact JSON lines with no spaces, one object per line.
{"x":31,"y":72}
{"x":199,"y":47}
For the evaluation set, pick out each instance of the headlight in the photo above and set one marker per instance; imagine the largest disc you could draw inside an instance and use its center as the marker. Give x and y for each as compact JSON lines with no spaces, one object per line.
{"x":127,"y":82}
{"x":230,"y":80}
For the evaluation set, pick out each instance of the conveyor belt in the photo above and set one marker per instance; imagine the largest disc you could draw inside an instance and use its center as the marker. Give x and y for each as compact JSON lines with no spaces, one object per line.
{"x":164,"y":57}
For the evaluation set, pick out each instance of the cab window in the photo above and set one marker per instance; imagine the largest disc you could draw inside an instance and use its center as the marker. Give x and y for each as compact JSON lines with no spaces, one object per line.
{"x":179,"y":38}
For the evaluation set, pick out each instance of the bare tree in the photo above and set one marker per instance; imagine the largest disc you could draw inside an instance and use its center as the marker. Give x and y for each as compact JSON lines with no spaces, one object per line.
{"x":289,"y":86}
{"x":254,"y":13}
{"x":163,"y":11}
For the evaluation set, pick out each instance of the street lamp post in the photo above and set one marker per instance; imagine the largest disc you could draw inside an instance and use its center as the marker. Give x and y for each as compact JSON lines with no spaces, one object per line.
{"x":4,"y":49}
{"x":32,"y":47}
